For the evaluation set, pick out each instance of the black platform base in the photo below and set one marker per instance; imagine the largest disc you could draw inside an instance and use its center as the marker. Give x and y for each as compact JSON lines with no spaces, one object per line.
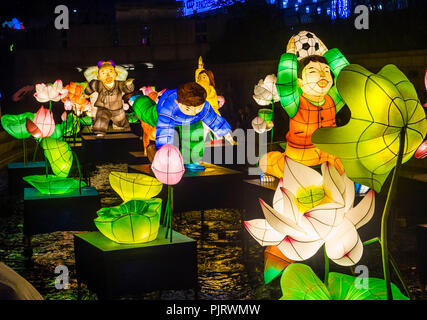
{"x":69,"y":212}
{"x":113,"y":270}
{"x":138,"y":157}
{"x":422,"y":252}
{"x":215,"y":187}
{"x":17,"y":170}
{"x":113,"y":147}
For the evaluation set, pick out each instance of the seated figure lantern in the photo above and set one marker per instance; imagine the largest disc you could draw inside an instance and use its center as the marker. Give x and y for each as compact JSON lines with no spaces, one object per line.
{"x":305,"y":83}
{"x":184,"y":107}
{"x":110,"y":85}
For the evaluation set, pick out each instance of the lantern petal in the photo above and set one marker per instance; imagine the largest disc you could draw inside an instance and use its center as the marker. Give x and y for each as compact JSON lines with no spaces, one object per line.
{"x":333,"y":182}
{"x":33,"y":129}
{"x":168,"y":165}
{"x":297,"y":175}
{"x":344,"y":246}
{"x":279,"y":222}
{"x":134,"y":186}
{"x":299,"y":250}
{"x":263,"y":233}
{"x":59,"y":155}
{"x":364,"y":211}
{"x":421,"y":152}
{"x":284,"y":203}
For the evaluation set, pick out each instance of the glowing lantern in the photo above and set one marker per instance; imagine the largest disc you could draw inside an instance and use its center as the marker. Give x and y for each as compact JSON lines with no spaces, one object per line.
{"x":43,"y":124}
{"x":50,"y":184}
{"x":134,"y":186}
{"x":265,"y":92}
{"x":310,"y":210}
{"x":274,"y":263}
{"x":382,"y":106}
{"x":299,"y":282}
{"x":421,"y":152}
{"x":68,"y":105}
{"x":15,"y":125}
{"x":46,"y":92}
{"x":168,"y":165}
{"x":59,"y":155}
{"x":259,"y":125}
{"x":64,"y":116}
{"x":266,"y":114}
{"x":221,"y":101}
{"x":135,"y":221}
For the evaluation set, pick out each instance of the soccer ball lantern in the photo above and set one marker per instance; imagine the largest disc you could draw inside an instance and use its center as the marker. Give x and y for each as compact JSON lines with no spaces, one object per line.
{"x":306,"y":44}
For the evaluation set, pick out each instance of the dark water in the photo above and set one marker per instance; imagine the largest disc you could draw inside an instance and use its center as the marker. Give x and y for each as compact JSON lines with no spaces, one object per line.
{"x":227,"y":268}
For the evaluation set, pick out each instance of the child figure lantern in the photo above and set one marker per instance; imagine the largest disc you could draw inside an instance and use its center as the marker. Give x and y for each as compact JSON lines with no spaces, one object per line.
{"x":110,"y":89}
{"x":185,"y":107}
{"x":305,"y":83}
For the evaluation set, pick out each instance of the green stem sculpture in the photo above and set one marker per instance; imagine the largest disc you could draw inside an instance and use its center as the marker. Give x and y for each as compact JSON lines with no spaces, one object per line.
{"x":326,"y":266}
{"x":272,"y":110}
{"x":80,"y":172}
{"x":393,"y":264}
{"x":386,"y":214}
{"x":35,"y":151}
{"x":167,"y":219}
{"x":24,"y":146}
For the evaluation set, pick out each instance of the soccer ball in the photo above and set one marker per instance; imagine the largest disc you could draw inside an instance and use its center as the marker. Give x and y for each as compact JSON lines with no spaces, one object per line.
{"x":306,"y":44}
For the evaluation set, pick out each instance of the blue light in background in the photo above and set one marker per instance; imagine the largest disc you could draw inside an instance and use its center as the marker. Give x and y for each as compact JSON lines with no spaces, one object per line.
{"x":341,"y":7}
{"x":307,"y":9}
{"x":319,"y":10}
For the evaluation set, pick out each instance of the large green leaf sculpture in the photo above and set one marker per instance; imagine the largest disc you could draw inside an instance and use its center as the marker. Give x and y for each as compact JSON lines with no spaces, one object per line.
{"x":59,"y":155}
{"x":50,"y":184}
{"x":15,"y":124}
{"x":135,"y":221}
{"x":299,"y":282}
{"x":382,"y":105}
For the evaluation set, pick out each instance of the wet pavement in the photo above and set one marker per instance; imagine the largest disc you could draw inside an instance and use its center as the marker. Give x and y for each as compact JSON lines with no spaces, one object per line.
{"x":230,"y":264}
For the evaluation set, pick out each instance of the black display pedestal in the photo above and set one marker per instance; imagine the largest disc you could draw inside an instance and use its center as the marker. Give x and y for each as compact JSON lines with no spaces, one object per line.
{"x":113,"y":270}
{"x":69,"y":212}
{"x":113,"y":147}
{"x":422,"y":252}
{"x":215,"y":187}
{"x":138,"y":157}
{"x":17,"y":170}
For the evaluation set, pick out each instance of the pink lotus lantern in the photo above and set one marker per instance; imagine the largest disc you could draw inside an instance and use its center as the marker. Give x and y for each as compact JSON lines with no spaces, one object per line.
{"x":421,"y":152}
{"x":168,"y":165}
{"x":221,"y":101}
{"x":43,"y":125}
{"x":64,"y":116}
{"x":68,"y":105}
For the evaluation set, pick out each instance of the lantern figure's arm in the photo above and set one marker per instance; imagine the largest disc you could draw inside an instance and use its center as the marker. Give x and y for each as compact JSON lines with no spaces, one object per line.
{"x":336,"y":62}
{"x":215,"y":122}
{"x":287,"y":83}
{"x":145,"y":109}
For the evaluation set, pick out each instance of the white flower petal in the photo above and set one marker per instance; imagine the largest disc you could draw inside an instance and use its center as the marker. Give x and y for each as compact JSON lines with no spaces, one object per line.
{"x":349,"y":193}
{"x":299,"y":250}
{"x":297,"y":175}
{"x":280,"y":223}
{"x":363,"y":212}
{"x":284,"y":203}
{"x":263,"y":233}
{"x":343,"y":246}
{"x":333,"y":181}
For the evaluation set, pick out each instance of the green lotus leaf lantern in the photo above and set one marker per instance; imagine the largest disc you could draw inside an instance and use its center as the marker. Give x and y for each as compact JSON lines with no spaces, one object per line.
{"x":58,"y":132}
{"x":299,"y":282}
{"x":135,"y":221}
{"x":134,"y":186}
{"x":71,"y":126}
{"x":15,"y":124}
{"x":59,"y":155}
{"x":383,"y":107}
{"x":50,"y":184}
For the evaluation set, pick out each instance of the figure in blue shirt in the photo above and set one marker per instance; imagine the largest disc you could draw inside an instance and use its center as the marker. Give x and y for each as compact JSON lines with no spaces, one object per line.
{"x":185,"y":107}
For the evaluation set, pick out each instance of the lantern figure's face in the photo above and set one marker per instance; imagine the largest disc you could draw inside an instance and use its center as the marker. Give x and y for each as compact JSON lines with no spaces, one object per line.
{"x":190,"y":110}
{"x":316,"y":80}
{"x":107,"y":74}
{"x":203,"y":80}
